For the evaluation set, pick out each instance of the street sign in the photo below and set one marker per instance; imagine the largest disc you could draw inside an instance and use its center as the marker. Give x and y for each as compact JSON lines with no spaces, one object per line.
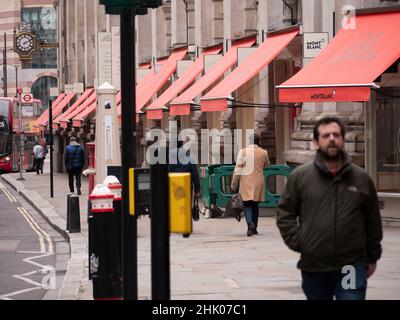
{"x":78,"y":88}
{"x":48,"y":45}
{"x":313,"y":43}
{"x":27,"y":111}
{"x":54,"y":92}
{"x":19,"y":90}
{"x":69,"y":88}
{"x":27,"y":97}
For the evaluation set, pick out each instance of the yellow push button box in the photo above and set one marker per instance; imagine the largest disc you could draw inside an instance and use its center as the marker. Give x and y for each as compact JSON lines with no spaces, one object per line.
{"x":180,"y":203}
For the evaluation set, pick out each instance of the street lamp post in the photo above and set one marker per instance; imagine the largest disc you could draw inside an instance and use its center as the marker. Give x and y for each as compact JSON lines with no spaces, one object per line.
{"x":5,"y":65}
{"x":16,"y":78}
{"x":16,"y":66}
{"x":21,"y":139}
{"x":56,"y":5}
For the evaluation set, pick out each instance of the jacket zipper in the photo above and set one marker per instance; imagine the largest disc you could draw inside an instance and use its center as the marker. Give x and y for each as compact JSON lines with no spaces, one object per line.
{"x":334,"y":228}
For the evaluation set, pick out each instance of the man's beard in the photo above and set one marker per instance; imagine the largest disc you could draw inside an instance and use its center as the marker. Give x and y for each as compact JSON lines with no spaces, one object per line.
{"x":331,"y":155}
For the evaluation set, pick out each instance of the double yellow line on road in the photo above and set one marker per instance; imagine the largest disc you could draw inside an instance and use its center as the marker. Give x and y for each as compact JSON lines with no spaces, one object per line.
{"x":35,"y":227}
{"x":39,"y":231}
{"x":7,"y":193}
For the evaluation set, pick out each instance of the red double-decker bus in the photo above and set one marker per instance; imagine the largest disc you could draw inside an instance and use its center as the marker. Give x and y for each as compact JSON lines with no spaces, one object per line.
{"x":10,"y":129}
{"x":6,"y":134}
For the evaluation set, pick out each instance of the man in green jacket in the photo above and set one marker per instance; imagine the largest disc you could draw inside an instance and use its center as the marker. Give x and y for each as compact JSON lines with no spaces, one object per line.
{"x":329,"y":213}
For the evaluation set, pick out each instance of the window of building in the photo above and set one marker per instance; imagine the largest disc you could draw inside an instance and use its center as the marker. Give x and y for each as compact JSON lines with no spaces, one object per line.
{"x":388,"y":141}
{"x":43,"y":22}
{"x":41,"y":90}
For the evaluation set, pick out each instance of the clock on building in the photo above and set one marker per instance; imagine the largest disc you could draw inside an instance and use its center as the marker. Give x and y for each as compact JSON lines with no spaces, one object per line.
{"x":24,"y":44}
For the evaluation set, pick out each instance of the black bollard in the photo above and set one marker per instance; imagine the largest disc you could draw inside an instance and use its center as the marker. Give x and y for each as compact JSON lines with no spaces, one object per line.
{"x":90,"y":231}
{"x":115,"y":187}
{"x":68,"y":196}
{"x":74,"y":214}
{"x":117,"y":230}
{"x":103,"y":258}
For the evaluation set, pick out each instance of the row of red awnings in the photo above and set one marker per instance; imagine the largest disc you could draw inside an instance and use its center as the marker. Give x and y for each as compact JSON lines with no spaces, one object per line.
{"x":344,"y":71}
{"x":181,"y":105}
{"x":153,"y":82}
{"x":155,"y":110}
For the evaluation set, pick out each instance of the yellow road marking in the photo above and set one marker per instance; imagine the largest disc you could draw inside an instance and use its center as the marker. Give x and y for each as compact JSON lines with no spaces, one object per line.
{"x":41,"y":240}
{"x":48,"y":238}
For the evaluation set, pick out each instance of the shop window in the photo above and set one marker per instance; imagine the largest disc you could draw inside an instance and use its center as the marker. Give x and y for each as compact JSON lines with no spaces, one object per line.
{"x":42,"y":23}
{"x":388,"y":143}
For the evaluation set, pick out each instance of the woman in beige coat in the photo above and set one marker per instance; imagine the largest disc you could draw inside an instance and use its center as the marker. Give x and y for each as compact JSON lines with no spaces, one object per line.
{"x":249,"y":170}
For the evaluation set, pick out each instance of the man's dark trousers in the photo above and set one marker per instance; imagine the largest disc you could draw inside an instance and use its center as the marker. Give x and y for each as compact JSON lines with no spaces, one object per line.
{"x":326,"y":285}
{"x":77,"y":172}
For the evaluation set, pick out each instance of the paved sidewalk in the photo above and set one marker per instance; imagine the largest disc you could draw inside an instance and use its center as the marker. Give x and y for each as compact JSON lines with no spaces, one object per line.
{"x":218,"y":261}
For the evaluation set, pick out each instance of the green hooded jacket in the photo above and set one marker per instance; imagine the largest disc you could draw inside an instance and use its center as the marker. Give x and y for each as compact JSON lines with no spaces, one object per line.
{"x":332,"y":221}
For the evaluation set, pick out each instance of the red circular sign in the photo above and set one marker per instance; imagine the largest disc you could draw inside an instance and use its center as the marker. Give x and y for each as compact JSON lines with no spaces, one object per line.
{"x":27,"y":98}
{"x":19,"y":90}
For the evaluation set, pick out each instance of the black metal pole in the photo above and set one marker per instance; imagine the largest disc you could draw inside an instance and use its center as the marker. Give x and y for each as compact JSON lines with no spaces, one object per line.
{"x":51,"y":147}
{"x":128,"y":137}
{"x":334,"y":24}
{"x":5,"y":66}
{"x":16,"y":81}
{"x":160,"y":264}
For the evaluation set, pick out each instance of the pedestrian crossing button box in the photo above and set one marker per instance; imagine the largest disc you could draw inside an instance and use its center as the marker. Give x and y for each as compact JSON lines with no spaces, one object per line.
{"x":139,"y":191}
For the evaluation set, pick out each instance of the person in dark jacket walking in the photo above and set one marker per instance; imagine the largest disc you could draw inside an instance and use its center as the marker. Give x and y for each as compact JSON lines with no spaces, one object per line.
{"x":74,"y":162}
{"x":329,"y":212}
{"x":176,"y":165}
{"x":190,"y":167}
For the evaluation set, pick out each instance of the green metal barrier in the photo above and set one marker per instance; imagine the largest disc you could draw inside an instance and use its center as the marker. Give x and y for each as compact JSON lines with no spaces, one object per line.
{"x":208,"y":196}
{"x":221,"y":180}
{"x":271,"y":199}
{"x":216,"y":184}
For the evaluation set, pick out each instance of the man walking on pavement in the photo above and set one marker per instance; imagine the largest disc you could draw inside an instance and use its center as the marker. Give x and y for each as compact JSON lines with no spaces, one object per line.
{"x":329,"y":212}
{"x":74,"y":162}
{"x":249,"y":170}
{"x":38,"y":157}
{"x":185,"y":166}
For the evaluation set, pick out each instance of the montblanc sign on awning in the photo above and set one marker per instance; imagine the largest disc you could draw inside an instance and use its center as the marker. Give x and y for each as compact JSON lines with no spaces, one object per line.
{"x":313,"y":43}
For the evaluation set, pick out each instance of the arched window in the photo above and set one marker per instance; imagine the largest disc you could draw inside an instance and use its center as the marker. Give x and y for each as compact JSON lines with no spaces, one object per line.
{"x":41,"y":89}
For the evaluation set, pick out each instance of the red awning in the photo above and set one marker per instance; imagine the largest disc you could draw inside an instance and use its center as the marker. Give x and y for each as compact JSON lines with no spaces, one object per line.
{"x":77,"y":103}
{"x":146,"y":65}
{"x":149,"y":78}
{"x":216,"y":99}
{"x":78,"y":120}
{"x":60,"y":107}
{"x":45,"y":115}
{"x":181,"y":105}
{"x":146,"y":91}
{"x":346,"y":69}
{"x":89,"y":106}
{"x":89,"y":101}
{"x":155,"y":110}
